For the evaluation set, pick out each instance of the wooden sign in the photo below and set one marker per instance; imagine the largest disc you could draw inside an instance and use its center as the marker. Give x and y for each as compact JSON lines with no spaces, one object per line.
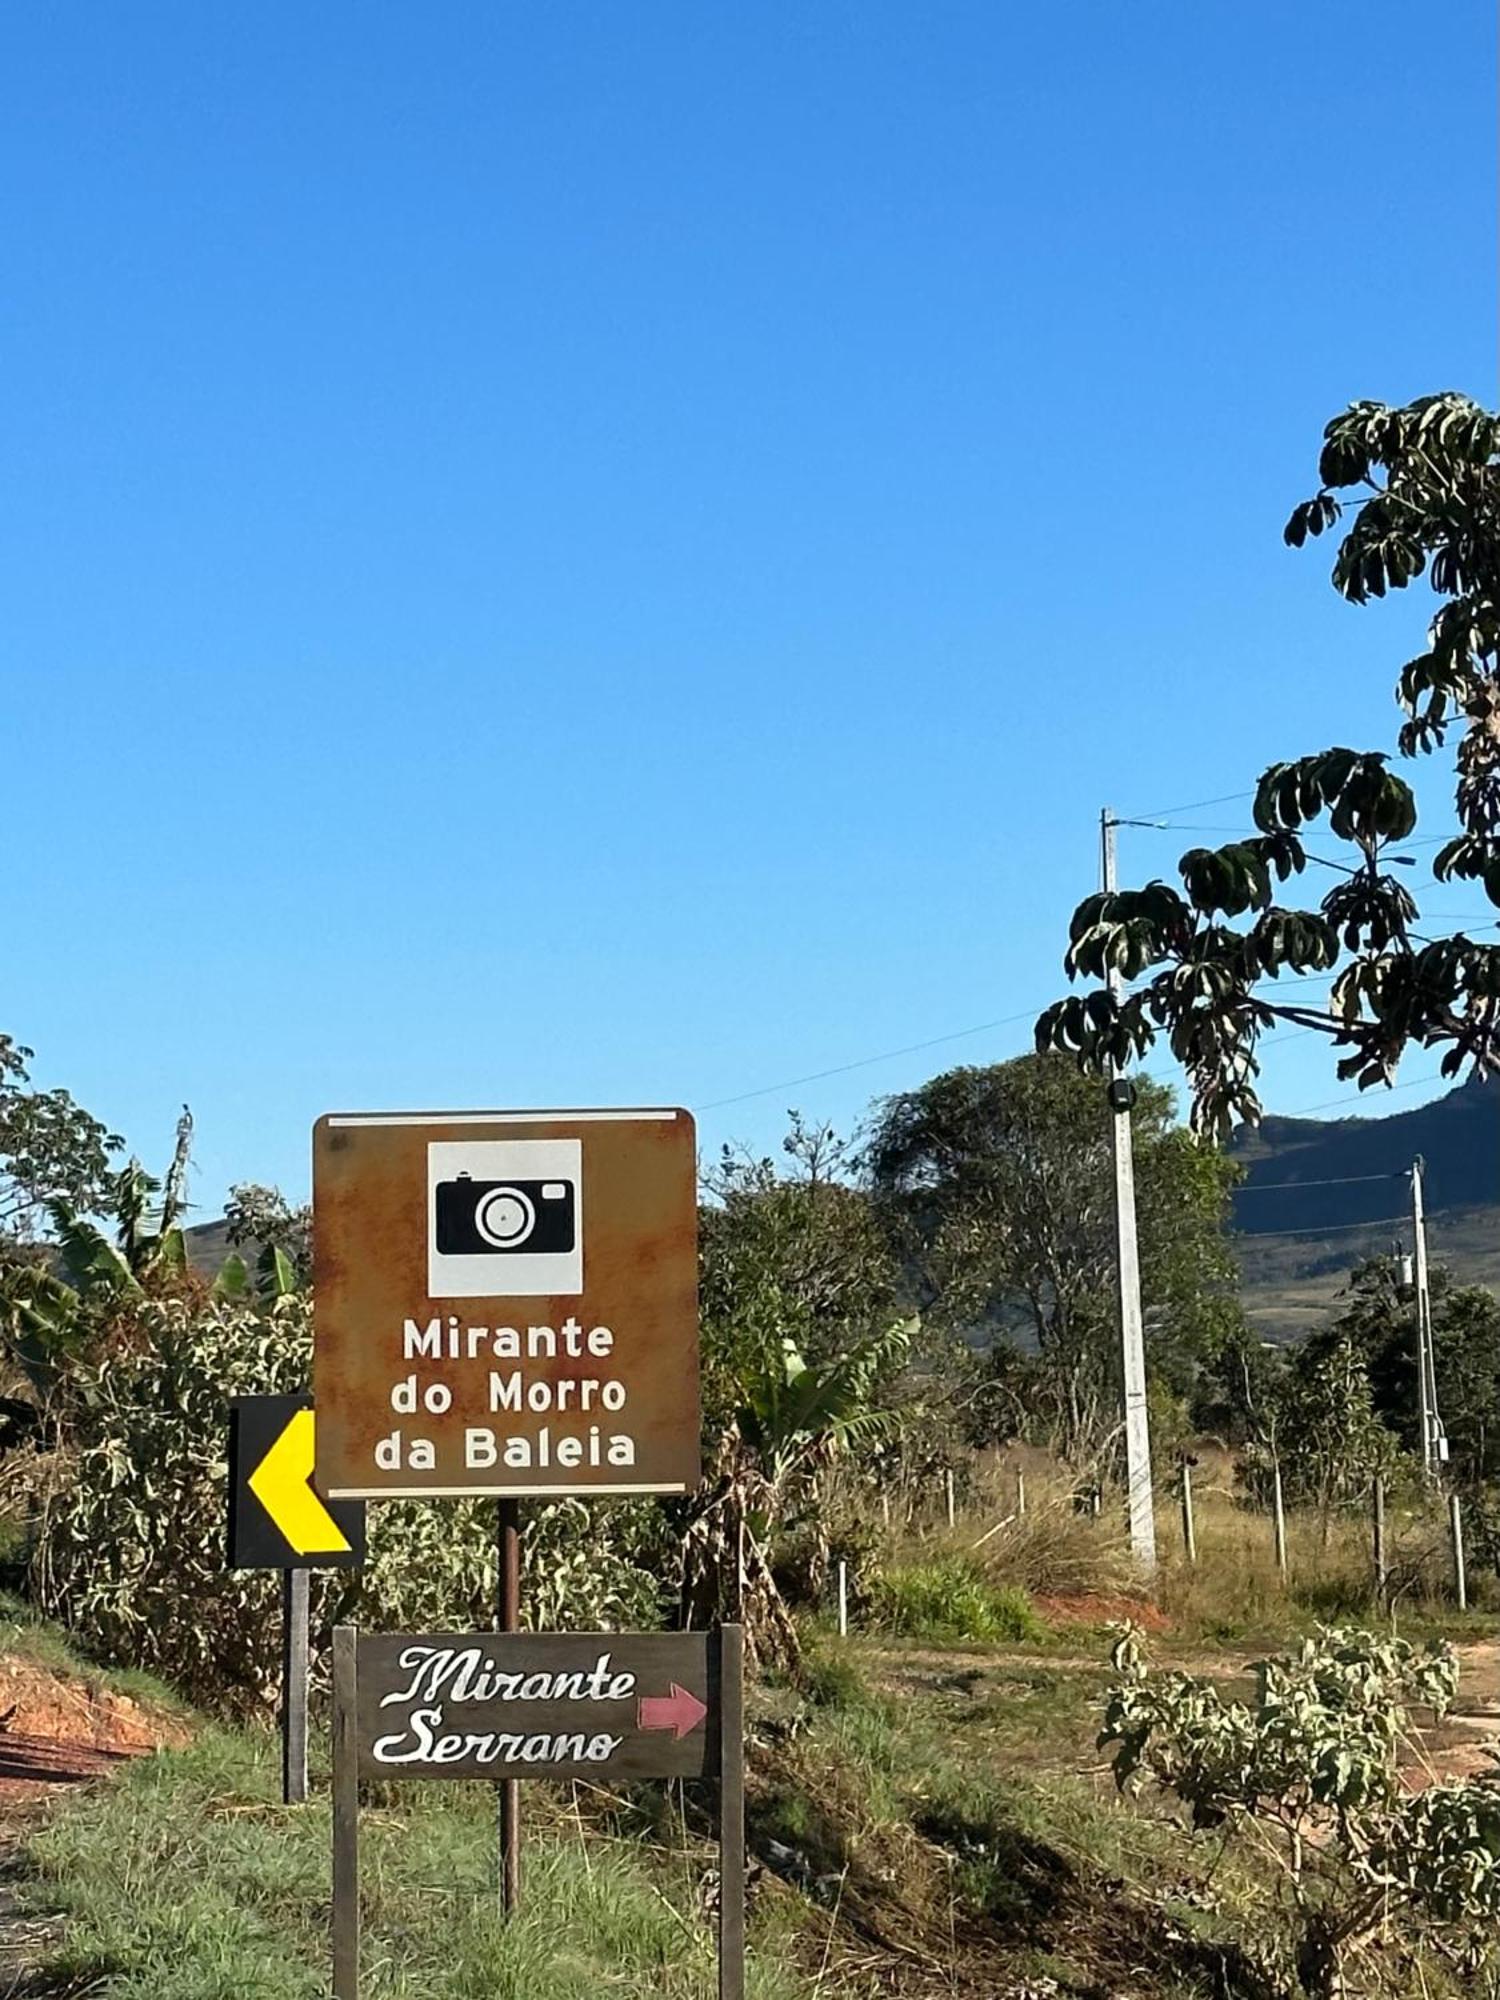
{"x":605,"y":1706}
{"x":601,"y":1705}
{"x":505,"y":1302}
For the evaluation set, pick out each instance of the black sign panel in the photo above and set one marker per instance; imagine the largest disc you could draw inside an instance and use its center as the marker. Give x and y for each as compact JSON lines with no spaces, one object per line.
{"x":277,"y":1519}
{"x":602,"y":1705}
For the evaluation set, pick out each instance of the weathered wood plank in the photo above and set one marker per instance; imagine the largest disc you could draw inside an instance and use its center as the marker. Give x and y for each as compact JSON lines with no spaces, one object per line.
{"x":597,"y":1705}
{"x":345,"y":1814}
{"x":729,"y":1645}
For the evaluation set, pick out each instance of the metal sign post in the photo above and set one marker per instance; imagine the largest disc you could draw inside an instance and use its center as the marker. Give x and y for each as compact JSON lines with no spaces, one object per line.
{"x":278,"y":1520}
{"x":607,"y":1706}
{"x":294,"y":1652}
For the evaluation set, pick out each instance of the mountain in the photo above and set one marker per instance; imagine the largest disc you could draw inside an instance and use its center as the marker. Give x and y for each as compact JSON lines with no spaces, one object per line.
{"x":1321,"y":1194}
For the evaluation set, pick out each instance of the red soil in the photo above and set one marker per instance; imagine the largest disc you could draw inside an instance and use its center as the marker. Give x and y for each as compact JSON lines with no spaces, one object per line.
{"x":57,"y":1730}
{"x":1091,"y":1609}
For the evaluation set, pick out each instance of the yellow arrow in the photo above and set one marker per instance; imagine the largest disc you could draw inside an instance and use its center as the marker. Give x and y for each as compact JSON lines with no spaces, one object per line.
{"x":282,"y":1483}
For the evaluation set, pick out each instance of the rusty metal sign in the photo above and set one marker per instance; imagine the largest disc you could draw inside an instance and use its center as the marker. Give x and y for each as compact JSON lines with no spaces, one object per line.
{"x":600,"y":1705}
{"x":505,"y":1303}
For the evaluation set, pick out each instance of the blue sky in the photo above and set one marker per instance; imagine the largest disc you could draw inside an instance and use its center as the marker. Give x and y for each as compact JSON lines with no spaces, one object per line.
{"x":613,"y":554}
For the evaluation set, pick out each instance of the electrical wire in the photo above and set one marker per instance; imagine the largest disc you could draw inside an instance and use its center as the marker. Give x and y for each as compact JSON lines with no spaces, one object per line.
{"x":1338,"y":1180}
{"x":1355,"y":1097}
{"x":865,"y":1062}
{"x":1323,"y":1228}
{"x":1148,"y":823}
{"x":1030,"y":1014}
{"x":1195,"y":805}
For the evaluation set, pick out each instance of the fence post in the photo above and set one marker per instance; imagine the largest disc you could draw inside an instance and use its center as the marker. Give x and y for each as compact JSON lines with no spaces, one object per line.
{"x":1377,"y":1517}
{"x":1020,"y":1494}
{"x":1278,"y":1511}
{"x":1189,"y":1536}
{"x":948,"y":1488}
{"x":1460,"y":1579}
{"x":843,"y":1598}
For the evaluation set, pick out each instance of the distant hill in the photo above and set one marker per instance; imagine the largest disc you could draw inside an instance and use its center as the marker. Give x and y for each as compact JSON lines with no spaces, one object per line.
{"x":1321,"y":1194}
{"x":208,"y":1245}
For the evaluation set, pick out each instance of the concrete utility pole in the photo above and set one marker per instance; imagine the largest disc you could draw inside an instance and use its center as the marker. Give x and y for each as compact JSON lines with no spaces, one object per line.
{"x":1434,"y":1444}
{"x":1128,"y":1270}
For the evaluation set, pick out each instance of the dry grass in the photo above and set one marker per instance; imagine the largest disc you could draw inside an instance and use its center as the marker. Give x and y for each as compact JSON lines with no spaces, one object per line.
{"x":1234,"y":1591}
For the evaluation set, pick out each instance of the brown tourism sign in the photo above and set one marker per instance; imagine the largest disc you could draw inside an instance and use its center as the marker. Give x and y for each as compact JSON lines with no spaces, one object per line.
{"x":505,"y":1302}
{"x":603,"y":1705}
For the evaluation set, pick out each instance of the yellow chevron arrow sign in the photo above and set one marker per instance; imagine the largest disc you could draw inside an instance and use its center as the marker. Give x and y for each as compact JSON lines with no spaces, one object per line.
{"x":282,"y":1483}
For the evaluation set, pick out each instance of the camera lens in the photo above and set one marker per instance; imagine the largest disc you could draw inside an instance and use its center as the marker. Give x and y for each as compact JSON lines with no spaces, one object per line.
{"x":504,"y":1217}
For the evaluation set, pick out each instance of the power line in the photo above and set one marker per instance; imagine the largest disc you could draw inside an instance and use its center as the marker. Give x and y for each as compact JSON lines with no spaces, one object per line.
{"x":1196,"y":805}
{"x":1030,"y":1014}
{"x":1320,"y":1228}
{"x":1289,"y":1307}
{"x":865,"y":1062}
{"x":1357,"y":1097}
{"x":1155,"y":823}
{"x":958,"y":1035}
{"x":1338,"y":1180}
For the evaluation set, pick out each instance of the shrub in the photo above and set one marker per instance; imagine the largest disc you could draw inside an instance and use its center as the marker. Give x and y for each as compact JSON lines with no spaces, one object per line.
{"x":949,"y":1598}
{"x":1314,"y":1767}
{"x":129,"y":1552}
{"x":831,"y":1679}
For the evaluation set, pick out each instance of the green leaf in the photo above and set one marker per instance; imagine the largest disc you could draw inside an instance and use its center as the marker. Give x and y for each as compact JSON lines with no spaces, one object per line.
{"x":233,"y":1278}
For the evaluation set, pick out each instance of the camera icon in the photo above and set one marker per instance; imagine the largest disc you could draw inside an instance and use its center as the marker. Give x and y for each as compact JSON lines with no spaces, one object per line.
{"x":501,"y":1218}
{"x":505,"y":1218}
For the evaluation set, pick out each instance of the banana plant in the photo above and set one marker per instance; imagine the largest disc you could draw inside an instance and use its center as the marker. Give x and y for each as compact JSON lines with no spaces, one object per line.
{"x":46,"y":1306}
{"x":794,"y":1411}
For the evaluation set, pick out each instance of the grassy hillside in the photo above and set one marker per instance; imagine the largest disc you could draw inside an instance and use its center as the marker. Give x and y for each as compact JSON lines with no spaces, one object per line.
{"x":1302,"y":1172}
{"x":1291,"y":1282}
{"x":1320,"y":1195}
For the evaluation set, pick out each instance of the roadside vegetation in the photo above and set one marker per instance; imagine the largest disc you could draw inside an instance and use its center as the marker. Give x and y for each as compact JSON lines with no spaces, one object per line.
{"x":1026,"y":1770}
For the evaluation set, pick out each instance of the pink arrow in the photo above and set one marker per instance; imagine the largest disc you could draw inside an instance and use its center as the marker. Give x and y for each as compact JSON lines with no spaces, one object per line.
{"x":678,"y":1711}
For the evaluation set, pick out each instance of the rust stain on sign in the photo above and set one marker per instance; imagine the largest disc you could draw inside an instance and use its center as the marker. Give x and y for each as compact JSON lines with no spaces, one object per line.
{"x":505,"y":1303}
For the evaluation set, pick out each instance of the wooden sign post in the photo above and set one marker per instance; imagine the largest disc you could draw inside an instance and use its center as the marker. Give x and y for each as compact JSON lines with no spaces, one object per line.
{"x":596,"y":1705}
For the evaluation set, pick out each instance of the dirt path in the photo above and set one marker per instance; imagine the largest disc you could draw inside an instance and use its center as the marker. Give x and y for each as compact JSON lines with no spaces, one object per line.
{"x":1465,"y":1745}
{"x":56,"y":1731}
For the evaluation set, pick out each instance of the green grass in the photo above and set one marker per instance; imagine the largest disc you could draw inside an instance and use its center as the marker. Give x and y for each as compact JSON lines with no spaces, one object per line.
{"x":187,"y":1880}
{"x":962,"y":1806}
{"x":950,"y":1598}
{"x":942,"y":1806}
{"x":25,"y":1636}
